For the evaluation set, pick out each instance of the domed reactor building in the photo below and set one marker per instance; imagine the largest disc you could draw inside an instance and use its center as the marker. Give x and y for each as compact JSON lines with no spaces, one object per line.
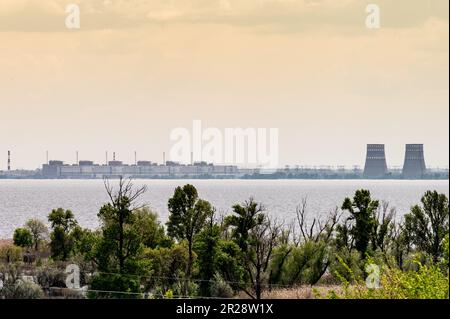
{"x":414,"y":165}
{"x":375,"y":166}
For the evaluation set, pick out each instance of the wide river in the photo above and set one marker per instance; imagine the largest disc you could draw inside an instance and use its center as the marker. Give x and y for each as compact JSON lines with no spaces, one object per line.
{"x":24,"y":199}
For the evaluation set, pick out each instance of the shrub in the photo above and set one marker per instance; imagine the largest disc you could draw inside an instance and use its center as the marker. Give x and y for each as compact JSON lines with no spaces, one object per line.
{"x":114,"y":286}
{"x":50,"y":276}
{"x":428,"y":282}
{"x":220,"y":288}
{"x":10,"y":253}
{"x":21,"y":290}
{"x":347,"y":266}
{"x":446,"y":252}
{"x":23,"y":237}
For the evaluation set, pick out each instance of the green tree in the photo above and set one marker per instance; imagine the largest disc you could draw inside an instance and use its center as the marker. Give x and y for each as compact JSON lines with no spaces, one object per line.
{"x":23,"y":237}
{"x":363,"y":222}
{"x":38,"y":230}
{"x":62,"y":241}
{"x":428,"y":224}
{"x":307,"y":260}
{"x":121,"y":244}
{"x":245,"y":218}
{"x":167,"y":265}
{"x":188,"y":214}
{"x":207,"y":247}
{"x":256,"y":235}
{"x":150,"y":229}
{"x":118,"y":247}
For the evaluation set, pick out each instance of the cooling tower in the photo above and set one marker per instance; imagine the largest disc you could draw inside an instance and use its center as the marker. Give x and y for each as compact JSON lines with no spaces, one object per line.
{"x":376,"y":166}
{"x":414,"y":165}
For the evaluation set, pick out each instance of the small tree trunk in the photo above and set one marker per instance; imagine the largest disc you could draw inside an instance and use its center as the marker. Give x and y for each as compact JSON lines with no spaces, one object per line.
{"x":188,"y":269}
{"x":121,"y":255}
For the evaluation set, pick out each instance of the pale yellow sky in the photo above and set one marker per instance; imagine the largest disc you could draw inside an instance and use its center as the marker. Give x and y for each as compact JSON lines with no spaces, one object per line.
{"x":137,"y":69}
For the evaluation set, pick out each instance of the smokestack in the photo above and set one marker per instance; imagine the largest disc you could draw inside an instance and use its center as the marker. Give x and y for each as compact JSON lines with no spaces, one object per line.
{"x":192,"y":158}
{"x":164,"y":158}
{"x":106,"y":158}
{"x":47,"y":157}
{"x":135,"y":158}
{"x":77,"y":162}
{"x":114,"y":156}
{"x":9,"y":161}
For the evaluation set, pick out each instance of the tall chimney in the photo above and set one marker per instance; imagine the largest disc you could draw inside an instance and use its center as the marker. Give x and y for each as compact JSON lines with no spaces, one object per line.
{"x":164,"y":158}
{"x":9,"y":160}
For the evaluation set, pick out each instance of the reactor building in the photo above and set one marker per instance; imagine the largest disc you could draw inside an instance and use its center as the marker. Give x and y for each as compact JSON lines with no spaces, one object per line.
{"x":375,"y":166}
{"x":414,"y":164}
{"x":142,"y":169}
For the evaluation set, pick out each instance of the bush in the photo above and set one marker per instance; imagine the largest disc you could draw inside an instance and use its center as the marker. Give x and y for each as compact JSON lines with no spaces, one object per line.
{"x":21,"y":290}
{"x":10,"y":253}
{"x":167,"y":266}
{"x":347,"y":266}
{"x":50,"y":276}
{"x":446,"y":252}
{"x":220,"y":288}
{"x":114,"y":286}
{"x":428,"y":282}
{"x":23,"y":237}
{"x":305,"y":264}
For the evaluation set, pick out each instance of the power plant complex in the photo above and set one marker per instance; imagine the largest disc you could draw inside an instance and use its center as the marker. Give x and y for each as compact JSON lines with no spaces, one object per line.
{"x":141,"y":169}
{"x":375,"y":167}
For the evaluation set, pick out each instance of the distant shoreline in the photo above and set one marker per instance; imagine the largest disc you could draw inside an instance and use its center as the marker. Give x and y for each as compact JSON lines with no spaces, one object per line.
{"x":235,"y":178}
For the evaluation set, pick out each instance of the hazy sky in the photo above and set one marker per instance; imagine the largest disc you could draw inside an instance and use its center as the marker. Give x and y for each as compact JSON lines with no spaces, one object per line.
{"x":137,"y":69}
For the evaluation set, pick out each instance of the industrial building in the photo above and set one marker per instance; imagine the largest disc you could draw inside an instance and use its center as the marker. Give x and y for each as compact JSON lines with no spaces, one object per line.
{"x":375,"y":166}
{"x":414,"y":165}
{"x":142,"y":169}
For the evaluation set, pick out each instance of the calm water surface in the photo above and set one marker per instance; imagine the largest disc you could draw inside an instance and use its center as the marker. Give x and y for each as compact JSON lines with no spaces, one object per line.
{"x":24,"y":199}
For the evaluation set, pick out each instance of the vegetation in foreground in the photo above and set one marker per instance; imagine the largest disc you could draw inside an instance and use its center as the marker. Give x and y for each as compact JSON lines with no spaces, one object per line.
{"x":359,"y":250}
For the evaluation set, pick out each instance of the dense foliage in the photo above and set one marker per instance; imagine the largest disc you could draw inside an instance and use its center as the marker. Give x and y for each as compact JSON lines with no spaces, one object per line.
{"x":245,"y":253}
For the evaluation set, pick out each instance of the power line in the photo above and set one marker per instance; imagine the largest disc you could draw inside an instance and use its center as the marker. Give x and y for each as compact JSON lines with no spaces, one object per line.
{"x":135,"y":293}
{"x":192,"y":280}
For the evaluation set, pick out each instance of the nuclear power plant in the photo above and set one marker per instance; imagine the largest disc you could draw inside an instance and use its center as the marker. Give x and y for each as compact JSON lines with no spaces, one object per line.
{"x":375,"y":166}
{"x":414,"y":164}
